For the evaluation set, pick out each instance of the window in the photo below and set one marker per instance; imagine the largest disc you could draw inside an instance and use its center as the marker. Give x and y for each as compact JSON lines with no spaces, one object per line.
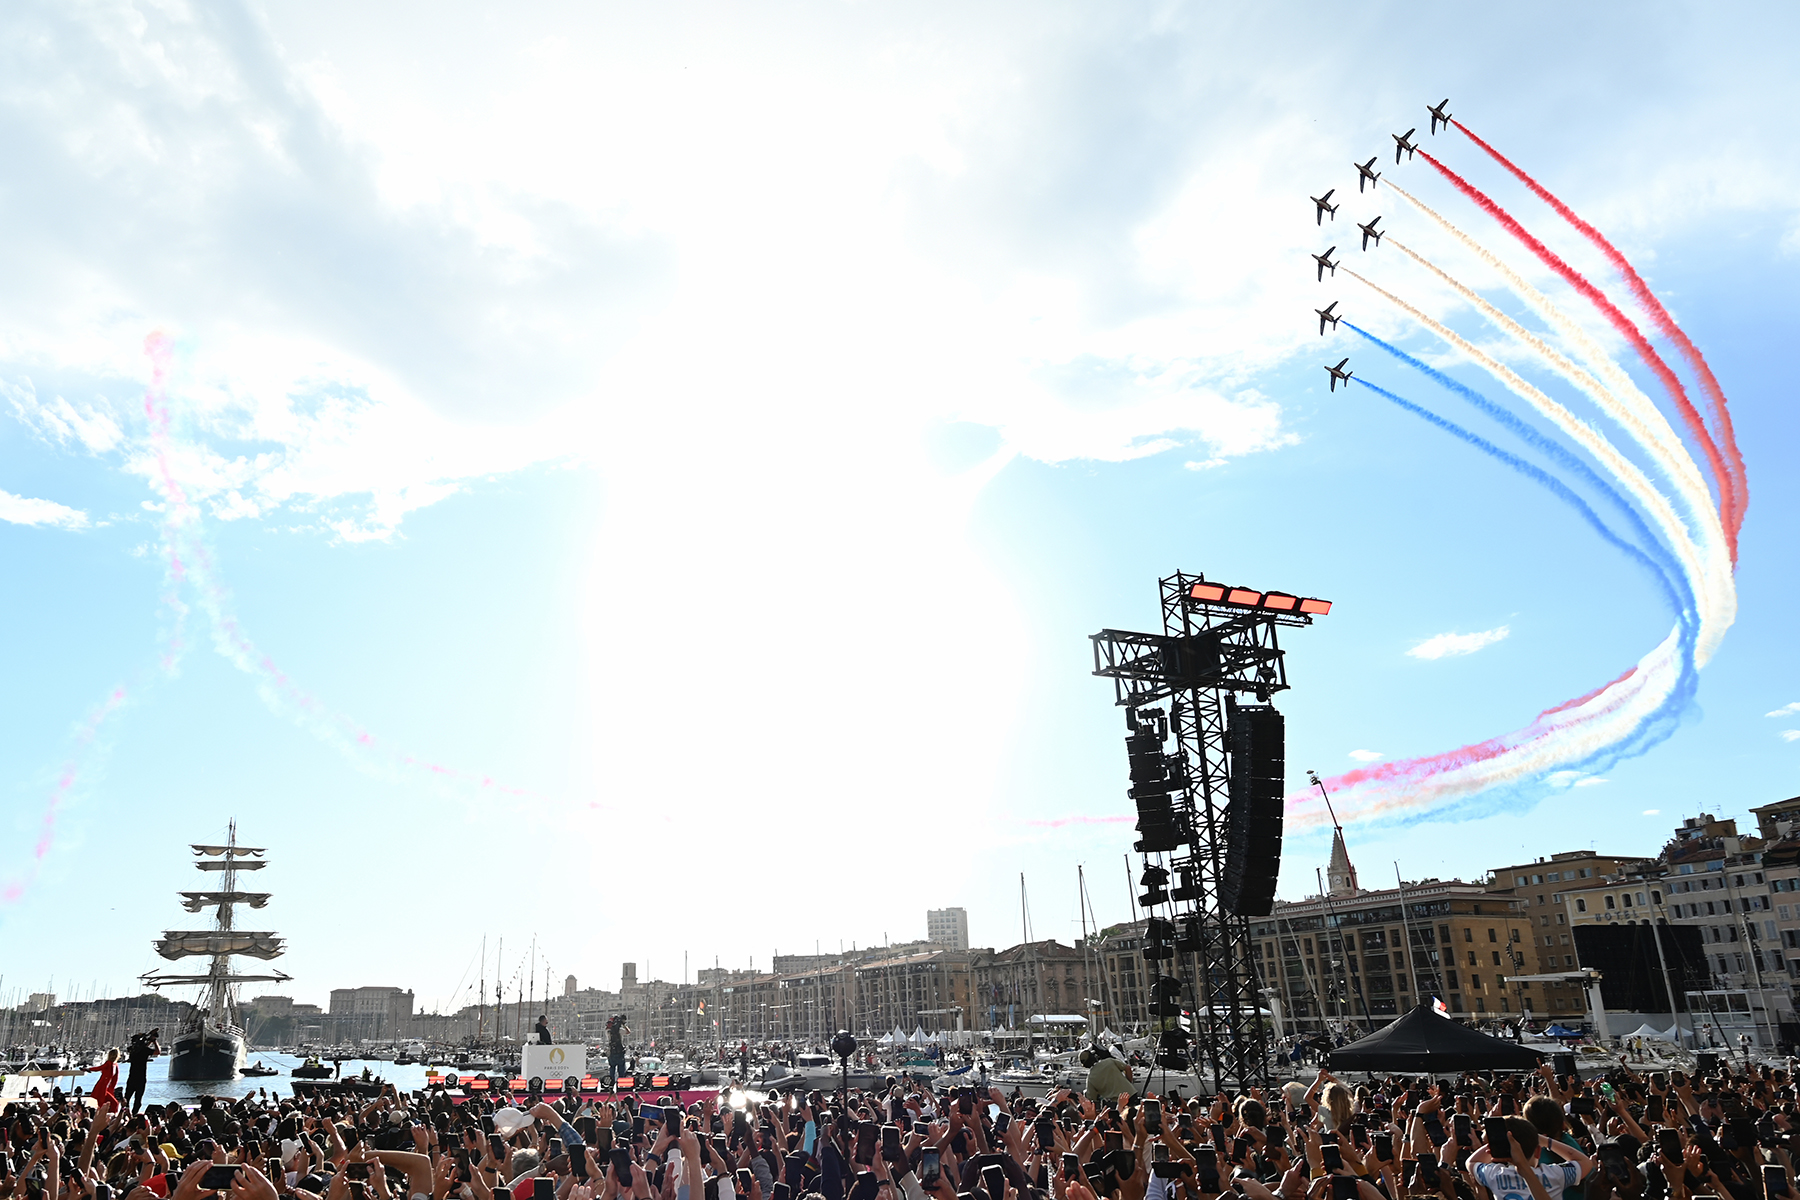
{"x":1562,"y":920}
{"x":1468,"y":934}
{"x":1609,"y":903}
{"x":1471,"y":958}
{"x":1586,"y":872}
{"x":1520,"y":881}
{"x":1540,"y":899}
{"x":1474,"y":983}
{"x":1553,"y":876}
{"x":1537,"y":879}
{"x":1544,"y":920}
{"x":1580,"y":904}
{"x":1515,"y":935}
{"x":1496,"y":958}
{"x":1655,"y":896}
{"x":1491,"y":936}
{"x":1568,"y":960}
{"x":1556,"y":897}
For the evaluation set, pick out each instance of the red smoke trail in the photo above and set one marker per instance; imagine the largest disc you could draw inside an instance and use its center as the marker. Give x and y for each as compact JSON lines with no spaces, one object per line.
{"x":65,"y":783}
{"x":1735,"y":485}
{"x":1621,"y":322}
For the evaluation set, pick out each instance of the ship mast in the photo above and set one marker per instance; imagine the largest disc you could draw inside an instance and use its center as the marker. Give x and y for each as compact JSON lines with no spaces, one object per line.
{"x":219,"y":944}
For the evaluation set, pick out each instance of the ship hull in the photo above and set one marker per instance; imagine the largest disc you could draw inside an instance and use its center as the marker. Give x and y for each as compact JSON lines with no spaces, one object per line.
{"x":206,"y":1053}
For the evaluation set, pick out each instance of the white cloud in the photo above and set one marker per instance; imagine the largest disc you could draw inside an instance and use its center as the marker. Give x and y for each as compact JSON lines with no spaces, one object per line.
{"x":1653,"y":812}
{"x":1366,"y":756}
{"x":22,"y":510}
{"x":1569,"y":779}
{"x":1591,"y":781}
{"x":1790,"y":735}
{"x":1786,"y":710}
{"x":1451,"y":645}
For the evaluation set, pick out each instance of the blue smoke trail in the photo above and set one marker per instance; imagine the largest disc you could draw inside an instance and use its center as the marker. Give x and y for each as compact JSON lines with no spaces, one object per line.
{"x":1555,"y":486}
{"x":1686,"y":611}
{"x":1674,"y":585}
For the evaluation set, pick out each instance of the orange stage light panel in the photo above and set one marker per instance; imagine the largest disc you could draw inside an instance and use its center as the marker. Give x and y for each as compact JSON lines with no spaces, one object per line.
{"x":1243,"y":596}
{"x":1320,"y":607}
{"x":1207,"y":591}
{"x":1280,"y":601}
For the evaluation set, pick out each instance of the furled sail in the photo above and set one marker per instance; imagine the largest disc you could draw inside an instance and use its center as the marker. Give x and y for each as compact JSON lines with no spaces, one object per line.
{"x":178,"y":943}
{"x":195,"y":901}
{"x":155,"y":980}
{"x":231,"y":866}
{"x":218,"y":850}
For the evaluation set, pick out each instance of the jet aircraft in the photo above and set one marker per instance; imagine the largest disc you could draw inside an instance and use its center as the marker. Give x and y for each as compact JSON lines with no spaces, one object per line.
{"x":1369,"y":231}
{"x":1325,"y":316}
{"x":1325,"y":263}
{"x":1339,"y":374}
{"x":1403,"y":141}
{"x":1323,"y":205}
{"x":1438,"y":115}
{"x":1365,"y":173}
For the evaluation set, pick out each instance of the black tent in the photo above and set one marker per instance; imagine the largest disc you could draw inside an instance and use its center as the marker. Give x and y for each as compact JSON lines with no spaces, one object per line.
{"x":1423,"y":1042}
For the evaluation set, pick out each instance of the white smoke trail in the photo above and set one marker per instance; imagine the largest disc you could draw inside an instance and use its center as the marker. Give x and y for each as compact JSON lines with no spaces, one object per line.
{"x":1556,"y":740}
{"x":1655,"y":504}
{"x":1619,"y":397}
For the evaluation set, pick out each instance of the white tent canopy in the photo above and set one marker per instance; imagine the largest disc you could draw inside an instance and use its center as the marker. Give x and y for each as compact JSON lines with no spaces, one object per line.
{"x":1647,"y":1030}
{"x":918,"y":1037}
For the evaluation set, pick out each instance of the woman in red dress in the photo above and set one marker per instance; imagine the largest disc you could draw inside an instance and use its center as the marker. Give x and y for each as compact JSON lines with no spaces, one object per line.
{"x":104,"y":1093}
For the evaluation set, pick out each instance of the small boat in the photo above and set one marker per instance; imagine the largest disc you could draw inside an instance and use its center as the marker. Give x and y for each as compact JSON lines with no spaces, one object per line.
{"x":312,"y":1068}
{"x":259,"y":1070}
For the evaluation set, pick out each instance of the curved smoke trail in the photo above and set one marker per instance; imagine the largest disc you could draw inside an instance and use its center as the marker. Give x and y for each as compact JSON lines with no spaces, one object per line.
{"x":1695,"y":558}
{"x":1619,"y":321}
{"x":1639,"y":415}
{"x":188,"y":564}
{"x":1670,"y":579}
{"x":1713,"y":619}
{"x":191,"y":561}
{"x":1677,"y":463}
{"x":1734,"y":484}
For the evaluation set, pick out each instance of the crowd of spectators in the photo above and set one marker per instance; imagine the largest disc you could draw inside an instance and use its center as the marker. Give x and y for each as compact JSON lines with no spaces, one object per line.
{"x":1533,"y":1136}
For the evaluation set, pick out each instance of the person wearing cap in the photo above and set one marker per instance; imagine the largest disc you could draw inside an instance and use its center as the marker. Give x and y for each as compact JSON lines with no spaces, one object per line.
{"x":1107,"y":1077}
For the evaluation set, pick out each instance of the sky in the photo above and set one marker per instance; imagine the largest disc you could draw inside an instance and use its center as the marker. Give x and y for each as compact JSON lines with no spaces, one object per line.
{"x":642,"y":478}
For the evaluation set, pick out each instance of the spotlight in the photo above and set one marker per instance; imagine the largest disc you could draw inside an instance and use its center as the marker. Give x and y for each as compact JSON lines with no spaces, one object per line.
{"x":1189,"y":888}
{"x":1155,"y":878}
{"x":1157,"y":935}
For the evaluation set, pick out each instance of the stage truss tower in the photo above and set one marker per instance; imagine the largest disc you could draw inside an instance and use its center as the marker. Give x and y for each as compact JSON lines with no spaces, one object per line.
{"x":1219,"y":649}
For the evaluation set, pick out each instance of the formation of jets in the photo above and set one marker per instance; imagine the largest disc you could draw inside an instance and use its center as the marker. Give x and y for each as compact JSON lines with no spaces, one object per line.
{"x":1323,"y":205}
{"x":1366,"y":177}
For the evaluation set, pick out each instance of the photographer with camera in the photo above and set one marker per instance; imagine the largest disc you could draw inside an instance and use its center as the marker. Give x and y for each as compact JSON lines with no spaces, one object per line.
{"x":138,"y":1052}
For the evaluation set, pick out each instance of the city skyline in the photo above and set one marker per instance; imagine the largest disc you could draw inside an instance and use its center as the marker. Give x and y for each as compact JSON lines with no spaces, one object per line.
{"x":679,"y":463}
{"x":547,"y":981}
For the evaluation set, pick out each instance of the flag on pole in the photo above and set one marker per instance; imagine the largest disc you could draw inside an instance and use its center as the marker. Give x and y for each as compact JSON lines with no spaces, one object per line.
{"x":1437,"y":1006}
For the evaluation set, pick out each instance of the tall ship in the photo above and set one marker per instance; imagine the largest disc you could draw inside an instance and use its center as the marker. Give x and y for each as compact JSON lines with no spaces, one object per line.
{"x":211,"y":1044}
